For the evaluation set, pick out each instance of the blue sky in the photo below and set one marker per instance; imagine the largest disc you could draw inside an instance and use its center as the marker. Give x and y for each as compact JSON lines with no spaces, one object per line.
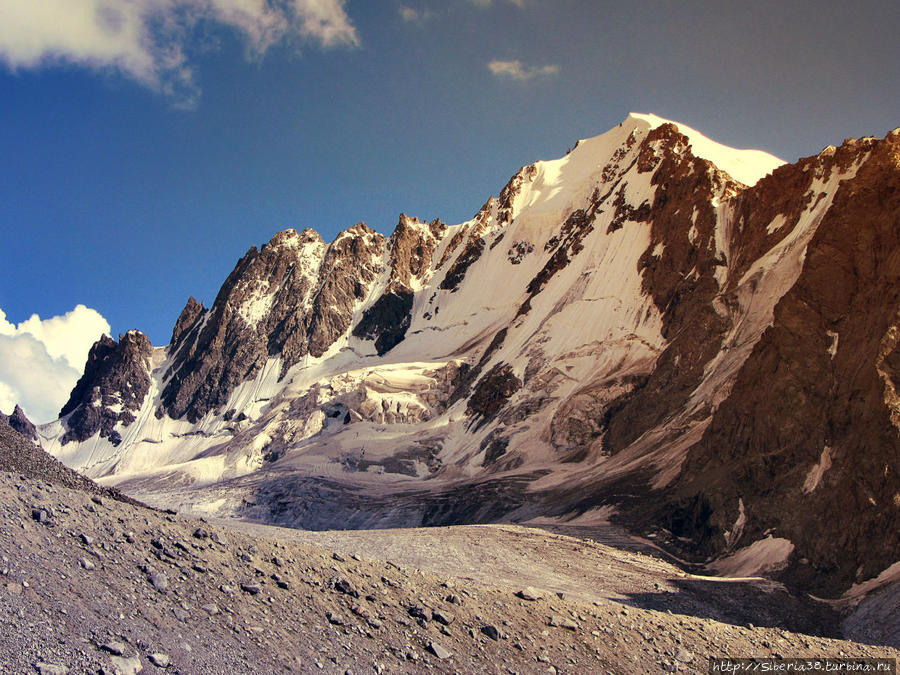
{"x":144,"y":147}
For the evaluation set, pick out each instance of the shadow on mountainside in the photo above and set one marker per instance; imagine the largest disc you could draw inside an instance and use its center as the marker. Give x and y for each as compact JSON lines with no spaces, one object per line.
{"x":742,"y":603}
{"x":314,"y":503}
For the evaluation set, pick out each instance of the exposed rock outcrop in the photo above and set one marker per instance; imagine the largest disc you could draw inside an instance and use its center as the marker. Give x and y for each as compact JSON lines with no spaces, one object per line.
{"x":679,"y":273}
{"x":386,"y":321}
{"x":457,"y":271}
{"x":293,"y":297}
{"x":186,"y":320}
{"x":492,"y":392}
{"x":112,"y":389}
{"x":350,"y":266}
{"x":20,"y":423}
{"x":411,"y":248}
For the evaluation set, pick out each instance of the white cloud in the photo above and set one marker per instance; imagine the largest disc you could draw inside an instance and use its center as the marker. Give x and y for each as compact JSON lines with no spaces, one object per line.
{"x":7,"y":397}
{"x":325,"y":22}
{"x":146,"y":40}
{"x":67,"y":337}
{"x":41,"y":360}
{"x":516,"y":71}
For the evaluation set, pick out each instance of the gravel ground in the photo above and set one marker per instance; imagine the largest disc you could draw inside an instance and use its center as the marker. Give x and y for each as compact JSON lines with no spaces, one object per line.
{"x":83,"y":577}
{"x":93,"y":582}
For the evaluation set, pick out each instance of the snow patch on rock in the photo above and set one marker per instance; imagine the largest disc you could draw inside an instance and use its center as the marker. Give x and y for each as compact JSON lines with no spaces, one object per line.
{"x":761,"y":557}
{"x":814,"y":477}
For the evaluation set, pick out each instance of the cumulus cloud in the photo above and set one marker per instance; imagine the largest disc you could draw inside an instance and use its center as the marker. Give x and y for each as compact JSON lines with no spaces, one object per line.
{"x":146,"y":40}
{"x":8,"y":399}
{"x":41,"y":360}
{"x":514,"y":70}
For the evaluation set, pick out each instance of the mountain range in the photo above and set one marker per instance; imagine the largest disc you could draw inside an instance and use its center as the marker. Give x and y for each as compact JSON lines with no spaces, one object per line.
{"x":696,"y":342}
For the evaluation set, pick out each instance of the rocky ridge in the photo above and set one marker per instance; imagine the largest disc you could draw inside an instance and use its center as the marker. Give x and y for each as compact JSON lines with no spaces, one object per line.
{"x":20,"y":423}
{"x":18,"y":455}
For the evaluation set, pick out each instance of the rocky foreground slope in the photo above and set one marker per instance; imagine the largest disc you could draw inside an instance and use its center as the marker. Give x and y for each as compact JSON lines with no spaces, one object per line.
{"x":698,"y":340}
{"x":99,"y":585}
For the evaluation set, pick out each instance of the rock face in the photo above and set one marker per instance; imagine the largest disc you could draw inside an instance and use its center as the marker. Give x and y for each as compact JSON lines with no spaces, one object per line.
{"x":716,"y":355}
{"x":493,"y":391}
{"x":681,"y":280}
{"x":410,"y":248}
{"x":812,"y":421}
{"x":112,"y":389}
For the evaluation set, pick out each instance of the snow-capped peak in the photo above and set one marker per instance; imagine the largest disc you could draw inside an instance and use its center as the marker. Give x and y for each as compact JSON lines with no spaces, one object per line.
{"x":290,"y":239}
{"x":746,"y":166}
{"x":550,"y":185}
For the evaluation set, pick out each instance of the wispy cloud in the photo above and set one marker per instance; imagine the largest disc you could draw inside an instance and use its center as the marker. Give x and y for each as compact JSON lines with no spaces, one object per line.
{"x":488,"y":3}
{"x":412,"y":15}
{"x":147,"y":40}
{"x":42,"y":359}
{"x":514,"y":70}
{"x":408,"y":13}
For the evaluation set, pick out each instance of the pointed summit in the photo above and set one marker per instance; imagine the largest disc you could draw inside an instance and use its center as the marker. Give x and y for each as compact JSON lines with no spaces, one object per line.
{"x":746,"y":166}
{"x":19,"y":422}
